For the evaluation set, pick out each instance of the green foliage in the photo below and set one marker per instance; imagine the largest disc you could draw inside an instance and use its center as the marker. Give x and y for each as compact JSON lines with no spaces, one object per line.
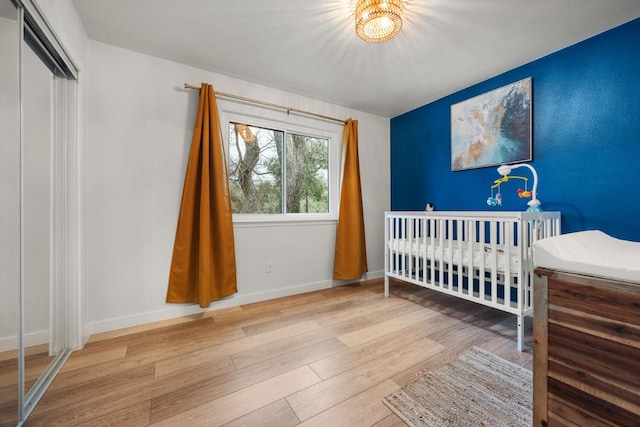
{"x":256,"y":170}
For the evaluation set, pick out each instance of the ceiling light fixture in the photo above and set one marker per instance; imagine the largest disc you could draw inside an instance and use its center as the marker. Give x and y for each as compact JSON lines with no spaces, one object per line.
{"x":378,"y":20}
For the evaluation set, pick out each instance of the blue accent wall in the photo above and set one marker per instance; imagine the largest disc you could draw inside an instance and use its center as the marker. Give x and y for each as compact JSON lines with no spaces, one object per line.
{"x":586,"y":141}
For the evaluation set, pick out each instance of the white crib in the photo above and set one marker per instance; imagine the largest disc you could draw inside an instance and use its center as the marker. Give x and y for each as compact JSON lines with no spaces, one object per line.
{"x":484,"y":257}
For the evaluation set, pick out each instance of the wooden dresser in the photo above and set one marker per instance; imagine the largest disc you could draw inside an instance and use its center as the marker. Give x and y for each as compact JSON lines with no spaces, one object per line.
{"x":586,"y":351}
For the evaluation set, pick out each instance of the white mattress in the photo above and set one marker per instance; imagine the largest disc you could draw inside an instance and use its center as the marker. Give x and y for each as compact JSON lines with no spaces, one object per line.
{"x":481,"y":253}
{"x":592,"y":253}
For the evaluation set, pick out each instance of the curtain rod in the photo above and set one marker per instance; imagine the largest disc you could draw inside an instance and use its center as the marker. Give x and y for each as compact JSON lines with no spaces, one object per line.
{"x":269,"y":104}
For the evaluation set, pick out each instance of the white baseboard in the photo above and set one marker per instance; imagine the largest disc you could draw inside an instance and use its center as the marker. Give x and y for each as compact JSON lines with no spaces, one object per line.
{"x":177,"y":310}
{"x":374,"y":275}
{"x":32,"y":338}
{"x":174,"y":310}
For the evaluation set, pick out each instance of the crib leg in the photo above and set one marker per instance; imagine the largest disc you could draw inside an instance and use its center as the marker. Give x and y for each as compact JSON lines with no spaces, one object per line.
{"x":386,"y":285}
{"x":520,"y":319}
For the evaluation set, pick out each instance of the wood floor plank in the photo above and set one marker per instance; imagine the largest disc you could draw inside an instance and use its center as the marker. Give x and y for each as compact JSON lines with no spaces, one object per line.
{"x":184,"y":398}
{"x":78,"y":404}
{"x":334,"y":328}
{"x":225,"y":363}
{"x":453,"y":332}
{"x":166,"y":332}
{"x":34,"y":367}
{"x":242,"y":319}
{"x":376,"y":306}
{"x":466,"y":335}
{"x":340,"y":303}
{"x":296,"y":317}
{"x":390,"y":421}
{"x":370,"y":333}
{"x":178,"y":360}
{"x":221,"y":311}
{"x":171,"y":358}
{"x":183,"y":360}
{"x":95,"y":372}
{"x":135,"y":391}
{"x":169,"y":366}
{"x":73,"y":375}
{"x":355,"y":295}
{"x":82,"y":360}
{"x":267,"y":308}
{"x":133,"y":416}
{"x":36,"y":363}
{"x":278,"y":348}
{"x":362,"y":410}
{"x":278,"y":414}
{"x":329,"y":366}
{"x":338,"y":326}
{"x":357,"y":322}
{"x":9,"y":357}
{"x":128,"y":332}
{"x":200,"y":336}
{"x":283,"y":313}
{"x":315,"y":399}
{"x":352,"y":287}
{"x":245,"y":401}
{"x":9,"y":405}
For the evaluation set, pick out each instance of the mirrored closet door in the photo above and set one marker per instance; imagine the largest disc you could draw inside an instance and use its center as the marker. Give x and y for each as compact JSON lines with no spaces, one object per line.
{"x":9,"y":214}
{"x":33,"y":215}
{"x":37,"y":185}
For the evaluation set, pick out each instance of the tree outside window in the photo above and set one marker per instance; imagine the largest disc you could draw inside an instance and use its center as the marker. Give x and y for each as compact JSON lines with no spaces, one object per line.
{"x":274,"y":172}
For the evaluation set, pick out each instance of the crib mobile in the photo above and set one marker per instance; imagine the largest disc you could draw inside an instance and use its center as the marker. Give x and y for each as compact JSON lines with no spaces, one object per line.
{"x":505,"y":170}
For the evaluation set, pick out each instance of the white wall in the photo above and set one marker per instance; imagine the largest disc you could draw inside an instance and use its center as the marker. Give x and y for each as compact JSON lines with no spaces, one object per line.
{"x":140,"y":122}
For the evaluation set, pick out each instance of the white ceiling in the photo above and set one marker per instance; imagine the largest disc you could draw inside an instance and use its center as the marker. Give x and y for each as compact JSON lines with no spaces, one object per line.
{"x":310,"y":47}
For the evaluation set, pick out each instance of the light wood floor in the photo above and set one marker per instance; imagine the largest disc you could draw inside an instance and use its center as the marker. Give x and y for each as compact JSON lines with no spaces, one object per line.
{"x":324,"y":358}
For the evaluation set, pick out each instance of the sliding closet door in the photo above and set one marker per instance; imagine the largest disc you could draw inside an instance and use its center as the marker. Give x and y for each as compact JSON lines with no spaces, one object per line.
{"x":9,"y":215}
{"x":37,"y":228}
{"x":37,"y":213}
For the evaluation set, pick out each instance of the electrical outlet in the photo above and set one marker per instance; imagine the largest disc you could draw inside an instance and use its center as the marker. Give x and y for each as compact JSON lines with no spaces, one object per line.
{"x":269,"y":266}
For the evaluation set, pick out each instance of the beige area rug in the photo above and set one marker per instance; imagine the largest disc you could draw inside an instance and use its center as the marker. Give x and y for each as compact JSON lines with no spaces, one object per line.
{"x":476,"y":389}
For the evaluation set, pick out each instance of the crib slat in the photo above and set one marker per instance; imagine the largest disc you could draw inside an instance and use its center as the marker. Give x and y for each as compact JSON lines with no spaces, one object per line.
{"x":432,"y":248}
{"x":425,"y":231}
{"x":398,"y":237}
{"x":448,"y":263}
{"x":493,"y":238}
{"x":410,"y":248}
{"x":481,"y":272}
{"x":403,"y":233}
{"x":387,"y":255}
{"x":506,"y":260}
{"x":460,"y":261}
{"x":471,"y":239}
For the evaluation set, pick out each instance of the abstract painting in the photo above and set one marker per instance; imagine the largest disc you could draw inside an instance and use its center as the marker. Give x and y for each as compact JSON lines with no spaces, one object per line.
{"x":493,"y":128}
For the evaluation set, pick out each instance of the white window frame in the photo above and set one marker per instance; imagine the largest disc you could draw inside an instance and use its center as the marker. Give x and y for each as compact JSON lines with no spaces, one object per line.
{"x":236,"y":112}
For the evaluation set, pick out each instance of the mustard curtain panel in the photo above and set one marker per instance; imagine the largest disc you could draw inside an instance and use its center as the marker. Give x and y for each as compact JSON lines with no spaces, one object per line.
{"x":203,"y":267}
{"x":350,"y":260}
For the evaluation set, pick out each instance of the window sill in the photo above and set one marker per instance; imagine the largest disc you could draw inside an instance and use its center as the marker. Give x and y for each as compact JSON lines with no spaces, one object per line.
{"x":282,"y":221}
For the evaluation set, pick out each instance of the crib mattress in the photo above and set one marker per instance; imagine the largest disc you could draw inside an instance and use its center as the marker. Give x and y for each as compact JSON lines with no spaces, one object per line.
{"x":482,"y":254}
{"x":592,"y":253}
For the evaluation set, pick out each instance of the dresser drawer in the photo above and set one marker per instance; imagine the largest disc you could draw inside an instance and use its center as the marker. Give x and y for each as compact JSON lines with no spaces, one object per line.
{"x":586,"y":351}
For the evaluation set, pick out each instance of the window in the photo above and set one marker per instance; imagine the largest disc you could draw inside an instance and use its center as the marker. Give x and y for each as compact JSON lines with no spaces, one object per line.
{"x":275,"y":171}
